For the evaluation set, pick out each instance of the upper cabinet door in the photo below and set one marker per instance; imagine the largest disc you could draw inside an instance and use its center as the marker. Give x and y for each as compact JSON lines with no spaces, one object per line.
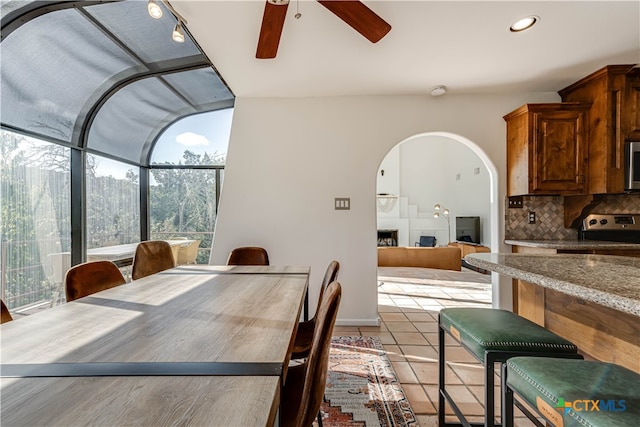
{"x":631,"y":116}
{"x":547,"y":149}
{"x":609,"y":113}
{"x":560,"y":153}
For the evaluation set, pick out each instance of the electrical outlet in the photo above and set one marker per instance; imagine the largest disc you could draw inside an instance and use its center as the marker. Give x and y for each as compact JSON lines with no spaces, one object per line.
{"x":532,"y":217}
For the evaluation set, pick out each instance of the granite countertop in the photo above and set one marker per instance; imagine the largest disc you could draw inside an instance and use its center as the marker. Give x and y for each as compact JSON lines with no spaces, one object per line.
{"x":611,"y":281}
{"x":574,"y":244}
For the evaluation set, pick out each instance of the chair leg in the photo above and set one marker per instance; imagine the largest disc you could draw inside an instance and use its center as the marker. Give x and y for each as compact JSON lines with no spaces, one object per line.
{"x":507,"y":399}
{"x":441,"y":376}
{"x":489,"y":401}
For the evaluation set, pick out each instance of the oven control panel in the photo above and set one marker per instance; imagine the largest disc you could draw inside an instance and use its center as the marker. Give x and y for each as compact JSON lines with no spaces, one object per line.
{"x":595,"y":222}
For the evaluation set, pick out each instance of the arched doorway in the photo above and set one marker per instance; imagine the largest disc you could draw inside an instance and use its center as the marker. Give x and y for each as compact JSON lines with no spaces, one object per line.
{"x":460,"y":161}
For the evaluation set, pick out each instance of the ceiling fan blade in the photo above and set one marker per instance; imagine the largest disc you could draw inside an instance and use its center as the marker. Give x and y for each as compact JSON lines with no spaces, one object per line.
{"x":359,"y":17}
{"x":272,"y":23}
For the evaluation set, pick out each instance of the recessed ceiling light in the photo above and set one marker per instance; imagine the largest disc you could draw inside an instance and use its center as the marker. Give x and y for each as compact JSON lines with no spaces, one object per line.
{"x":524,"y":24}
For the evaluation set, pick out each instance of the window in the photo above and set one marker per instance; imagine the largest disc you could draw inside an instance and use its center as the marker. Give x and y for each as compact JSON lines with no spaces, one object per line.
{"x":35,"y":220}
{"x":205,"y":135}
{"x":113,"y":202}
{"x":87,"y":88}
{"x":184,"y":194}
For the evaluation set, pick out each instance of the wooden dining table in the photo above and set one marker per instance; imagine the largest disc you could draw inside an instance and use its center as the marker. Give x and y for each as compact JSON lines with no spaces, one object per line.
{"x":193,"y":345}
{"x":122,"y":255}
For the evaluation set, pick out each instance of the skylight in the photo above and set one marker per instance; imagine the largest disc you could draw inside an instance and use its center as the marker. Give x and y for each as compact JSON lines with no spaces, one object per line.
{"x":101,"y":75}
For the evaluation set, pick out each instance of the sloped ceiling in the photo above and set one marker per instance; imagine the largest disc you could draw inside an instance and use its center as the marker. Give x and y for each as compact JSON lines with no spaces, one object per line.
{"x":466,"y":46}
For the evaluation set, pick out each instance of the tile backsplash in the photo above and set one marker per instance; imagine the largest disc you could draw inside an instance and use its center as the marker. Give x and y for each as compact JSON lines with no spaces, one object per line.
{"x":549,"y":212}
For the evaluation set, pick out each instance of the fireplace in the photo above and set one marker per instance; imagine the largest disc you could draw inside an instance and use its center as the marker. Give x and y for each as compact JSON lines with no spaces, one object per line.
{"x":387,"y":237}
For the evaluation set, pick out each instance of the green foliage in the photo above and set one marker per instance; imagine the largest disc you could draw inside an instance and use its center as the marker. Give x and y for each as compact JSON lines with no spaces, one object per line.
{"x":35,"y":209}
{"x":34,"y":214}
{"x":184,"y":199}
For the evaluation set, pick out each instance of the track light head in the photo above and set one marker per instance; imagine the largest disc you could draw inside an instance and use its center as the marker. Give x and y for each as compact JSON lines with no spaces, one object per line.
{"x":154,"y":9}
{"x":178,"y":33}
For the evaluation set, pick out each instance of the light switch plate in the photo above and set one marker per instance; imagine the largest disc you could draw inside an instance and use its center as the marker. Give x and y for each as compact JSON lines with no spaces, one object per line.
{"x":516,"y":202}
{"x":342,"y":203}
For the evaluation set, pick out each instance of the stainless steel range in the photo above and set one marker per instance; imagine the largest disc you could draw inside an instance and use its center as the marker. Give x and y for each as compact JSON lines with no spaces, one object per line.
{"x":611,"y":227}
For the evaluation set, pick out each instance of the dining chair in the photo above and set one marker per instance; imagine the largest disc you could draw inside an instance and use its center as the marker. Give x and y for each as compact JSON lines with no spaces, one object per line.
{"x":248,"y":255}
{"x":304,"y":386}
{"x":6,"y":316}
{"x":188,"y":254}
{"x":91,"y":277}
{"x":151,"y":257}
{"x":304,"y":335}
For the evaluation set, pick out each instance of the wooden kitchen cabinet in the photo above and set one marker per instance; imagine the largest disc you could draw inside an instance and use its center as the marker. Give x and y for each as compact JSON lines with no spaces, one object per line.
{"x":631,"y":117}
{"x":600,"y":332}
{"x":547,"y":149}
{"x":610,"y":113}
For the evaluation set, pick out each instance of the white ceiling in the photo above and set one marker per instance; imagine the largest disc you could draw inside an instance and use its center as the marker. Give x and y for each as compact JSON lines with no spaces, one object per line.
{"x":466,"y":46}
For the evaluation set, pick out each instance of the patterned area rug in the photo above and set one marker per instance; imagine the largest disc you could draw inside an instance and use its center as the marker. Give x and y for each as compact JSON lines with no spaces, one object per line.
{"x":362,"y":388}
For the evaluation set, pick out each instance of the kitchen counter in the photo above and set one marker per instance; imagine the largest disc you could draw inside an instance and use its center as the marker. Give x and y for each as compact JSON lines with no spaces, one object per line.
{"x":577,"y":245}
{"x":611,"y":281}
{"x":591,"y":300}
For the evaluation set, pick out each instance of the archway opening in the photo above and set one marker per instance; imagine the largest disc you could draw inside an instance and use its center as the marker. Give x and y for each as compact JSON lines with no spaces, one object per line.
{"x":445,"y":169}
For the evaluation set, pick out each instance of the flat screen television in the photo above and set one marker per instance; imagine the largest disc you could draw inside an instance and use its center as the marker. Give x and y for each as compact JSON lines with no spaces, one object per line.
{"x":468,"y":229}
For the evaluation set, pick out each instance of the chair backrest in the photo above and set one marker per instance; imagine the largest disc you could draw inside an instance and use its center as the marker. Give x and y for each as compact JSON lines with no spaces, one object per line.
{"x":5,"y":315}
{"x":330,"y":275}
{"x":151,"y":257}
{"x":317,"y":364}
{"x":91,"y":277}
{"x":428,"y":241}
{"x":248,"y":255}
{"x":188,"y":254}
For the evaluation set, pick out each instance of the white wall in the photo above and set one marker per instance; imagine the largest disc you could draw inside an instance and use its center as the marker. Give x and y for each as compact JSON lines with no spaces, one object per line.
{"x":469,"y":193}
{"x":288,"y":159}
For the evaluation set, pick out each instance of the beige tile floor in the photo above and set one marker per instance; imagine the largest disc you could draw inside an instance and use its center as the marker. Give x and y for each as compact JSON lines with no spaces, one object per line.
{"x":409,"y":300}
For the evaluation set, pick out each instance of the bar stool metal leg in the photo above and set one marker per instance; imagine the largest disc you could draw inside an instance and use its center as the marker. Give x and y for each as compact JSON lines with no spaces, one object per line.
{"x":489,"y":401}
{"x":443,"y":395}
{"x":441,"y":375}
{"x":507,"y":399}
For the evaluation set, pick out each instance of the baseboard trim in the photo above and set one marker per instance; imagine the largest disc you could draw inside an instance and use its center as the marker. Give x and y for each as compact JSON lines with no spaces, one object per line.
{"x":358,"y":322}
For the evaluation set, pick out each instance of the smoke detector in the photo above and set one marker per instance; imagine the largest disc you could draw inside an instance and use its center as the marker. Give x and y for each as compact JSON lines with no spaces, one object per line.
{"x":438,"y":90}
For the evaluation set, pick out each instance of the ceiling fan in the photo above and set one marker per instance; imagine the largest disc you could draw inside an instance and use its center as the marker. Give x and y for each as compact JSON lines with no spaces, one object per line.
{"x":353,"y":12}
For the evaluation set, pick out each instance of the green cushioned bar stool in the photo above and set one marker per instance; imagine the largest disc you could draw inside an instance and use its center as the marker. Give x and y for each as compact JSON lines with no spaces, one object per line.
{"x":491,"y":336}
{"x":567,"y":393}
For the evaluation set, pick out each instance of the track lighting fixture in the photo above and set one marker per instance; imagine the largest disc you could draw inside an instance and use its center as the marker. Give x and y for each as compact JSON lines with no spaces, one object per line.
{"x":154,"y":9}
{"x":178,"y":33}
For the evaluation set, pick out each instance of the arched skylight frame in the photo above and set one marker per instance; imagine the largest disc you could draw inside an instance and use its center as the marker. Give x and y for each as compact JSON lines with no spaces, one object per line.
{"x":88,"y":54}
{"x":131,"y":51}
